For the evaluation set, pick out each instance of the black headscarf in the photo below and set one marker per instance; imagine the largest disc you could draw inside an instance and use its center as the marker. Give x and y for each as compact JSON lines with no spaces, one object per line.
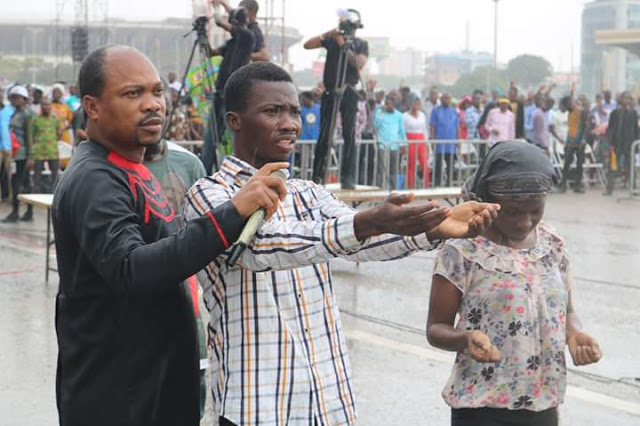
{"x":511,"y":168}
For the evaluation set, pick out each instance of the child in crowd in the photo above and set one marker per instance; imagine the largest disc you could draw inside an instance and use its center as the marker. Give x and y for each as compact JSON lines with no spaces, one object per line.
{"x":512,"y":291}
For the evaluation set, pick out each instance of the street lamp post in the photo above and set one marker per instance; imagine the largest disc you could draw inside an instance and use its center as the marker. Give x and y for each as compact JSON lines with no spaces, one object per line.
{"x":495,"y":34}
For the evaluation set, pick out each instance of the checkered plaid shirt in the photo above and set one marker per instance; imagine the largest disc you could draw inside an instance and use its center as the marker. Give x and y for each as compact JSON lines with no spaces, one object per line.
{"x":280,"y":357}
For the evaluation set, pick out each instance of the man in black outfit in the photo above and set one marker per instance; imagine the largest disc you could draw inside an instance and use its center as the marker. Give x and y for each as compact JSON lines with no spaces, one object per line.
{"x":235,"y":53}
{"x":128,"y":348}
{"x":357,"y":56}
{"x":622,"y":132}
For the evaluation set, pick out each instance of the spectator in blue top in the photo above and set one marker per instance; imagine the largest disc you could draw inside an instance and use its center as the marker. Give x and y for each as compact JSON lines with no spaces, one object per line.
{"x":310,"y":114}
{"x":389,"y":124}
{"x":472,"y":115}
{"x":6,"y":111}
{"x":529,"y":111}
{"x":444,"y":126}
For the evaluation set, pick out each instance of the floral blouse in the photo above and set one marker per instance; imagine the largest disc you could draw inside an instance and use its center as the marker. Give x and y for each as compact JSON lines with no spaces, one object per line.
{"x":519,"y":299}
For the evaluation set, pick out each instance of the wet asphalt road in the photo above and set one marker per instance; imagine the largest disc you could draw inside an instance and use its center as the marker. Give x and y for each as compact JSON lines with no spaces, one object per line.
{"x":397,"y":376}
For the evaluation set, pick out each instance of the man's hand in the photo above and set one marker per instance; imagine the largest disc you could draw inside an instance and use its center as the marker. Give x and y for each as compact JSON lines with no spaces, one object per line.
{"x":393,"y":217}
{"x":466,"y":220}
{"x":480,"y":347}
{"x":584,"y":349}
{"x":261,"y":192}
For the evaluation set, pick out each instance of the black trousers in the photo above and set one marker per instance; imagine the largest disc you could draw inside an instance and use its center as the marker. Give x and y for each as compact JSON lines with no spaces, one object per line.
{"x":503,"y":417}
{"x":38,"y":167}
{"x":571,"y":150}
{"x":348,"y":110}
{"x":449,"y":159}
{"x":21,"y":183}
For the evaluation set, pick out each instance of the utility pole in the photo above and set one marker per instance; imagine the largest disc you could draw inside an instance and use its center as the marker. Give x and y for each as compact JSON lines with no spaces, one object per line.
{"x":495,"y":34}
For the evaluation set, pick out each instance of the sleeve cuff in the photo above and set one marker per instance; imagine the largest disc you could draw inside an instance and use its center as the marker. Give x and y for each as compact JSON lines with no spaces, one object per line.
{"x":227,"y":222}
{"x":340,"y":235}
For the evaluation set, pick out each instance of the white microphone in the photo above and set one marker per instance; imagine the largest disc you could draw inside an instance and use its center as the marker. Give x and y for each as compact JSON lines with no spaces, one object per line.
{"x":254,"y":223}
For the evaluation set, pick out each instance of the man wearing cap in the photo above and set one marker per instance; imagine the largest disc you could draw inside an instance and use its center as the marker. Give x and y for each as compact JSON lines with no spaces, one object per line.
{"x":19,"y":127}
{"x":501,"y":123}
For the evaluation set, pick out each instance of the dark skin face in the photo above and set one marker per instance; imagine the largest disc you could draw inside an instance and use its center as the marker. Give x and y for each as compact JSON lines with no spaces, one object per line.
{"x":57,"y":95}
{"x":516,"y":220}
{"x":625,"y":100}
{"x":45,"y":108}
{"x":446,"y":100}
{"x":252,"y":15}
{"x":513,"y":95}
{"x":477,"y":99}
{"x":18,"y":102}
{"x":417,"y":106}
{"x":308,"y":102}
{"x":130,"y":113}
{"x":504,"y":106}
{"x":388,"y":105}
{"x":37,"y":97}
{"x":266,"y":130}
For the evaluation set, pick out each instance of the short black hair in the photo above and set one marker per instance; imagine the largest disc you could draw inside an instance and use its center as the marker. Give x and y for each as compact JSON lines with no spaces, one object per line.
{"x":307,"y":95}
{"x":91,"y":77}
{"x":238,"y":88}
{"x":251,"y":5}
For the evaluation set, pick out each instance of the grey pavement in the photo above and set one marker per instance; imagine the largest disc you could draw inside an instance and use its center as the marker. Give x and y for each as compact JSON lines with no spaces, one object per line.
{"x":397,"y":376}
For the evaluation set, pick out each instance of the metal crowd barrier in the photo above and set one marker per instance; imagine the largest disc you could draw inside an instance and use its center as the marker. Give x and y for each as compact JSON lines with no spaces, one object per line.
{"x":404,"y":165}
{"x":634,"y":170}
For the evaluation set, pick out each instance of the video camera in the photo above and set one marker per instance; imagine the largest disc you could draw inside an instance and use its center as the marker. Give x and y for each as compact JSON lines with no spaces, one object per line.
{"x":350,"y":21}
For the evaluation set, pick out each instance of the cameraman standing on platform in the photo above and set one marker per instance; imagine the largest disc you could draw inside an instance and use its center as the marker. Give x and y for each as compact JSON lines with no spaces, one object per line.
{"x":238,"y":51}
{"x":251,"y":7}
{"x":235,"y":53}
{"x":357,"y":55}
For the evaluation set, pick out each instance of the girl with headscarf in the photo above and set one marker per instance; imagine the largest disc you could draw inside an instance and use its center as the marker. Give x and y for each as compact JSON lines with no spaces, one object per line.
{"x":512,"y":291}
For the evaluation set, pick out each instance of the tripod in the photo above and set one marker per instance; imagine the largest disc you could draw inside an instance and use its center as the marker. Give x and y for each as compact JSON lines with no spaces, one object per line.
{"x":321,"y":175}
{"x":202,"y":45}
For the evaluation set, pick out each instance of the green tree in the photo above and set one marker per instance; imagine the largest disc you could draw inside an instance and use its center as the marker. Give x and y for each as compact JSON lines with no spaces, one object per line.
{"x":483,"y":78}
{"x":529,"y":70}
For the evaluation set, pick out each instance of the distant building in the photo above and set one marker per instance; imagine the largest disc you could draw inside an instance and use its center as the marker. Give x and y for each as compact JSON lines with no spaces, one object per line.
{"x":602,"y":65}
{"x":403,"y":63}
{"x":162,"y":41}
{"x":441,"y":69}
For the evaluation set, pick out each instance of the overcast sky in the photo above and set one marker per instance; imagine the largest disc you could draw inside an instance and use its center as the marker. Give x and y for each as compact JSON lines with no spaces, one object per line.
{"x":541,"y":27}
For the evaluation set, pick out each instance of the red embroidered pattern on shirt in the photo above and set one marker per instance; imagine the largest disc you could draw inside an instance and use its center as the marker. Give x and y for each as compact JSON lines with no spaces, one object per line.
{"x":155,"y":201}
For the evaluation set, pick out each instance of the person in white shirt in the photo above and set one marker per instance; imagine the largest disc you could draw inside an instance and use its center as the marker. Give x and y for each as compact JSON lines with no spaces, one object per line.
{"x":415,"y":124}
{"x":559,"y":128}
{"x":501,"y":123}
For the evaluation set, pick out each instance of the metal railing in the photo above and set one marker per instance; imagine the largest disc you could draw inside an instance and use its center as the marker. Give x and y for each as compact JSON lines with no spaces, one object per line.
{"x":412,"y":164}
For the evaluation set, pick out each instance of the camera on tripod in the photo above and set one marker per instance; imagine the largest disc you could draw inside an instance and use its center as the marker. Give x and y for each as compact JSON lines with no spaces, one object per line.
{"x":350,"y":21}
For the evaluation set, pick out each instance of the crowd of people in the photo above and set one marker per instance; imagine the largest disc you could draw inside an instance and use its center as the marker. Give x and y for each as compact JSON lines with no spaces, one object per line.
{"x":139,"y":222}
{"x":570,"y":131}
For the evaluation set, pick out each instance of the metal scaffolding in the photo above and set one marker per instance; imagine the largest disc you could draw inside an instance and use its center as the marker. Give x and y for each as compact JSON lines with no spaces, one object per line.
{"x":271,"y":17}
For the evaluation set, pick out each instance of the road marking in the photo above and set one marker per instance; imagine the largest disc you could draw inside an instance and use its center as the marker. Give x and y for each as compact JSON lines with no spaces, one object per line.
{"x":448,"y":358}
